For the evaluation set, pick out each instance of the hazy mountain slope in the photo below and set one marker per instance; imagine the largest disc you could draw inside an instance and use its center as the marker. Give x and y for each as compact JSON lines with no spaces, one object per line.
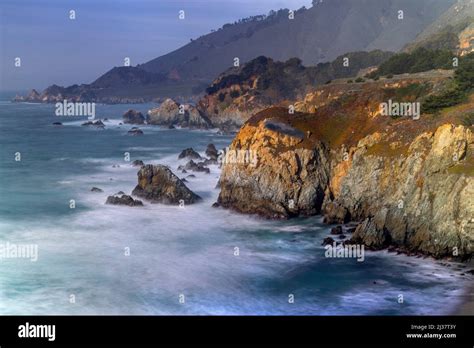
{"x":318,"y":34}
{"x":453,"y":30}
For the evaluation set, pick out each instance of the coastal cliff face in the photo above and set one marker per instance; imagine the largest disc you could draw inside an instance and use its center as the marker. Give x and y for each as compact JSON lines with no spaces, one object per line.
{"x":271,"y":175}
{"x":419,"y":196}
{"x":409,"y":183}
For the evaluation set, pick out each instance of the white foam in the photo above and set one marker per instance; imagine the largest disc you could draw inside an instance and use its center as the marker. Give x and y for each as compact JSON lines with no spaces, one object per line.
{"x":180,"y":251}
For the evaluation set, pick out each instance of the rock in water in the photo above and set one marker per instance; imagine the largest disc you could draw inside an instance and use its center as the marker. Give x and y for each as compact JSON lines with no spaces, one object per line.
{"x":195,"y":167}
{"x":123,"y":200}
{"x":97,"y":123}
{"x":133,"y":117}
{"x":135,"y":131}
{"x":171,"y":113}
{"x":96,"y":189}
{"x":138,"y":163}
{"x":189,"y":153}
{"x":158,"y":184}
{"x":328,"y":241}
{"x":212,"y":152}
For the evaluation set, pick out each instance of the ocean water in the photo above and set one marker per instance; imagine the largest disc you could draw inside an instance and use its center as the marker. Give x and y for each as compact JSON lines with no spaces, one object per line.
{"x":175,"y":253}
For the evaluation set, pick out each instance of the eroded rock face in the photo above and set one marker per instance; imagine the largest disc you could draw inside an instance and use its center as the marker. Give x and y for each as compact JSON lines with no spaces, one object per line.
{"x":271,"y":176}
{"x":158,"y":184}
{"x":422,"y":199}
{"x":170,"y":113}
{"x":413,"y":190}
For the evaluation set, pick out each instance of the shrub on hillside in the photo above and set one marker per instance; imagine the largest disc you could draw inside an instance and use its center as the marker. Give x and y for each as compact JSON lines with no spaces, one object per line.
{"x":463,"y":84}
{"x":419,"y":60}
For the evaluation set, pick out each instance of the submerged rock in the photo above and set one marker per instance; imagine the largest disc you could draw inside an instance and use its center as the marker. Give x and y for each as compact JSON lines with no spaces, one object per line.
{"x":135,"y":131}
{"x":97,"y":123}
{"x":96,"y":189}
{"x":328,"y":241}
{"x":158,"y":184}
{"x":195,"y":167}
{"x":138,"y":163}
{"x":123,"y":200}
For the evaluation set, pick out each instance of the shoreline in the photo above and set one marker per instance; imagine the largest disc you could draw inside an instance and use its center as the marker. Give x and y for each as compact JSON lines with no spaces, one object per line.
{"x":466,"y":307}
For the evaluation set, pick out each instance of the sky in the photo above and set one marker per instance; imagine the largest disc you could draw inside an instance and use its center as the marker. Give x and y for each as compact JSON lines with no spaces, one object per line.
{"x":57,"y":50}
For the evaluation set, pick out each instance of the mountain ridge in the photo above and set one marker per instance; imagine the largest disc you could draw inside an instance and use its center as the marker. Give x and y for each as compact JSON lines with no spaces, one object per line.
{"x":317,"y":34}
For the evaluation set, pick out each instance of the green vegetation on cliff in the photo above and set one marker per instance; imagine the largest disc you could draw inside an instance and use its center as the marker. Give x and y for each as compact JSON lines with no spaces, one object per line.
{"x":419,"y":60}
{"x":462,"y":85}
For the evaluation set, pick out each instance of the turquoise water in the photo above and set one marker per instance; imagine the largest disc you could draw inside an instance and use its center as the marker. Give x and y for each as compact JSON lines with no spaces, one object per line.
{"x":173,"y":251}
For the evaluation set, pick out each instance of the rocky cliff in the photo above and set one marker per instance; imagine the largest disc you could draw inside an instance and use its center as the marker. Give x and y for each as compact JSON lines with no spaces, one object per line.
{"x":407,"y":181}
{"x":238,"y":93}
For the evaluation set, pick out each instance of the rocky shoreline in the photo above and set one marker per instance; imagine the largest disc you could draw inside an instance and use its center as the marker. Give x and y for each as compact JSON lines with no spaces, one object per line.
{"x":158,"y":184}
{"x":408,"y":184}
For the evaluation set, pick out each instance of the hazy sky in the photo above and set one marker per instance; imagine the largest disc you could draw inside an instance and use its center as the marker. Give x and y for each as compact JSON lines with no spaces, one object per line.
{"x":56,"y":49}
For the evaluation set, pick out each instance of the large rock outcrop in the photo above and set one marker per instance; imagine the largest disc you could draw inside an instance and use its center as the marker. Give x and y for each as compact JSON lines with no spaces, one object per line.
{"x":133,"y":117}
{"x":158,"y":184}
{"x":268,"y":173}
{"x":171,"y":113}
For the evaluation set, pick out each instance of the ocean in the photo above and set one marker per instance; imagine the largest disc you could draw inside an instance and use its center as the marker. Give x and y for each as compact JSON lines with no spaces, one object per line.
{"x":167,"y":260}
